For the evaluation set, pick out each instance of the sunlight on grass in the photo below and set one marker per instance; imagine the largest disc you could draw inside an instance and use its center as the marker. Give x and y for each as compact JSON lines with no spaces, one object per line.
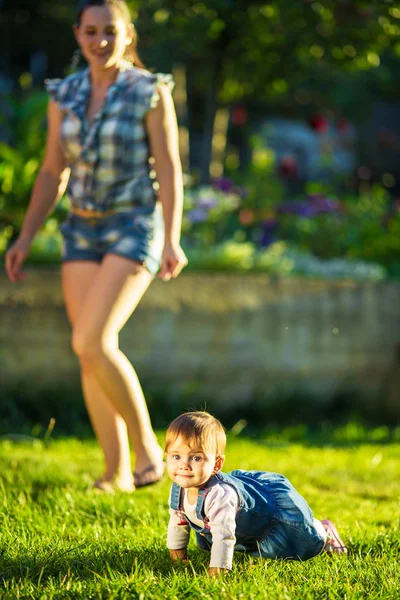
{"x":61,"y":540}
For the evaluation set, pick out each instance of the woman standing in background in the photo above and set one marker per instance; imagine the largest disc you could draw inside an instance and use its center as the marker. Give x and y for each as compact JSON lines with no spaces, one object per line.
{"x":109,"y":126}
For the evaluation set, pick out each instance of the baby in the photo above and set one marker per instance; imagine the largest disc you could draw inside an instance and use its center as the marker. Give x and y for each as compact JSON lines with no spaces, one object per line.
{"x":250,"y":511}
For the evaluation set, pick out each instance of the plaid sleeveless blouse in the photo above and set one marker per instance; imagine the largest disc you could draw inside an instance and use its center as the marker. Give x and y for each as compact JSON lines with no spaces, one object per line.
{"x":110,"y":158}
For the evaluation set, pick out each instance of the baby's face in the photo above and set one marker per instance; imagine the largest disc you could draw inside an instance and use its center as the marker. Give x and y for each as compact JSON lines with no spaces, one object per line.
{"x":190,"y":467}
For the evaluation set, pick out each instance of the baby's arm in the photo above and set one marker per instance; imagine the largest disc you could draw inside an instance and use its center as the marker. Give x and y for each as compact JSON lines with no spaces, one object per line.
{"x":221,"y":507}
{"x":216,"y":571}
{"x":178,"y":536}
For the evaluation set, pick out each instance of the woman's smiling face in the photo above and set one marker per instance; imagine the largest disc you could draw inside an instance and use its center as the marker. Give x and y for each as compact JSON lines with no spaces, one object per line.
{"x":103,"y":36}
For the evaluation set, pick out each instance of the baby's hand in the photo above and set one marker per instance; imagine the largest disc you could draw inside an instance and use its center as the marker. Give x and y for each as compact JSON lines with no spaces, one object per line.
{"x":178,"y":554}
{"x":216,"y":571}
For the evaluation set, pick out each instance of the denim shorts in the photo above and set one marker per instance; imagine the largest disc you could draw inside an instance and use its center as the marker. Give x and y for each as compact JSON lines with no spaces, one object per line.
{"x":137,"y":234}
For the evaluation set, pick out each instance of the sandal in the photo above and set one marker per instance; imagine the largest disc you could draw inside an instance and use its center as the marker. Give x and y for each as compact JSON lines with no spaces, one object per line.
{"x":110,"y":487}
{"x":142,"y":480}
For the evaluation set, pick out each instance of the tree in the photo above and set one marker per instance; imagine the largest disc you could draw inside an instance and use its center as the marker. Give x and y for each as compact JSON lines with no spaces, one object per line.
{"x":238,"y":49}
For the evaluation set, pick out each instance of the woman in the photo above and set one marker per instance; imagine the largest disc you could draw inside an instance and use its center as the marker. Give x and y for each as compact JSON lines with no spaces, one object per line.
{"x":104,"y":124}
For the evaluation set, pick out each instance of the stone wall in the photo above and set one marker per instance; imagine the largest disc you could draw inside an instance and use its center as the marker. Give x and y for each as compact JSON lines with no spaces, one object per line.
{"x":236,"y":339}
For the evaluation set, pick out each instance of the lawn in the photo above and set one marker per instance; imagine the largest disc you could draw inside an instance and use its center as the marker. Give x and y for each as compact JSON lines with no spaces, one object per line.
{"x":60,"y":540}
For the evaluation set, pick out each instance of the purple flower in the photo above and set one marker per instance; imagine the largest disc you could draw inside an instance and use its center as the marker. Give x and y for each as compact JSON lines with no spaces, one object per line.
{"x":322,"y":204}
{"x":206,"y":203}
{"x":301,"y":209}
{"x":223,"y":183}
{"x":197,"y":215}
{"x":316,"y":204}
{"x":268,"y":231}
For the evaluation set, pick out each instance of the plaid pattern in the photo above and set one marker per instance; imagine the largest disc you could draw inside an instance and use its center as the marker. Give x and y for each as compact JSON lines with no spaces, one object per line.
{"x":109,"y":159}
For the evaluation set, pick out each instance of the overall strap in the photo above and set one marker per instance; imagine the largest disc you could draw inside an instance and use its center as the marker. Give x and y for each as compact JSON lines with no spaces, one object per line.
{"x":200,"y":504}
{"x":176,"y":497}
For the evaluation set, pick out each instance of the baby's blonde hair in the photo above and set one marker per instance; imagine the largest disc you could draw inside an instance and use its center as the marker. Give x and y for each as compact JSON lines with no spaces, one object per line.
{"x":198,"y":429}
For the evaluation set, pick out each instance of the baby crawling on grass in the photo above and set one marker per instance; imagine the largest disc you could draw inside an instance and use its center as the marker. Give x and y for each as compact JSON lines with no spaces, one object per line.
{"x":250,"y":511}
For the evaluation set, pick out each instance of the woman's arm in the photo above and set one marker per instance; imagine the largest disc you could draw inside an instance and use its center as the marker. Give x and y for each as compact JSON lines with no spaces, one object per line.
{"x":162,"y":130}
{"x":49,"y":186}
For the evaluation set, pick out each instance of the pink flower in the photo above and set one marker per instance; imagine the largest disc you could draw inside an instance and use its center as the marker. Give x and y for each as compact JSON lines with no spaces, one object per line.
{"x":318,"y":123}
{"x":287,"y":167}
{"x":239,"y":116}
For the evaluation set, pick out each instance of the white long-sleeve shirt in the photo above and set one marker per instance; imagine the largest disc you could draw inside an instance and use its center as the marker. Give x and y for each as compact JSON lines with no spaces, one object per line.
{"x":220,"y":507}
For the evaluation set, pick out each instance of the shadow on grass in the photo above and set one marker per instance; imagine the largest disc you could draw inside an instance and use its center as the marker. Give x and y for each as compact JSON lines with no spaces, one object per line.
{"x":87,"y":562}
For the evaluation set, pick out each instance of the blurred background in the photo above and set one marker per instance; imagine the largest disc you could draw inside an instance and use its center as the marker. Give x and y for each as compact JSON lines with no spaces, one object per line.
{"x":289,"y":118}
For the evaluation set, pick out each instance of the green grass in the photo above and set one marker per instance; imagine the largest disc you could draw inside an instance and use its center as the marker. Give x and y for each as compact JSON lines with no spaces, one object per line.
{"x":59,"y":540}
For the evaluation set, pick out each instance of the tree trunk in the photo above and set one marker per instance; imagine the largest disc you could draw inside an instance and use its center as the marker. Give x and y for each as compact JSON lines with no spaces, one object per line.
{"x":210,"y":105}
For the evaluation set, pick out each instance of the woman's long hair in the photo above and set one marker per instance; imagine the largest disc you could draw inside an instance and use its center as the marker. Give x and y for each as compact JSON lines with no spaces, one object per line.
{"x":131,"y":52}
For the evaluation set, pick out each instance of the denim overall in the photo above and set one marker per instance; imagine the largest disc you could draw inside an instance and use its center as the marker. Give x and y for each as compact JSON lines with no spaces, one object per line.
{"x":273,"y":520}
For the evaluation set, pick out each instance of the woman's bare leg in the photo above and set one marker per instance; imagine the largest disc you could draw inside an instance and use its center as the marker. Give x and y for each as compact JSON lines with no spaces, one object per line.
{"x":113,"y":294}
{"x":108,"y":425}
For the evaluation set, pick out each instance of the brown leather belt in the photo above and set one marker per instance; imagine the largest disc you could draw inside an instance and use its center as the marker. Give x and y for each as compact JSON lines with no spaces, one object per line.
{"x":98,"y":214}
{"x":92,"y":214}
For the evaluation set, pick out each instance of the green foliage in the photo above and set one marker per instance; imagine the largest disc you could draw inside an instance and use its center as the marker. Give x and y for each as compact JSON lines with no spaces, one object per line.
{"x":280,"y":259}
{"x":263,"y":49}
{"x":20,"y":161}
{"x":366,"y":228}
{"x":208,"y":214}
{"x":46,"y":246}
{"x":61,"y":540}
{"x":271,"y":55}
{"x":224,"y":230}
{"x":263,"y":190}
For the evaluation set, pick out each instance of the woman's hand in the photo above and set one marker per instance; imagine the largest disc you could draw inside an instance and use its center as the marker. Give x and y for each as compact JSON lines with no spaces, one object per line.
{"x":178,"y":554}
{"x":15,"y":258}
{"x":172,"y":262}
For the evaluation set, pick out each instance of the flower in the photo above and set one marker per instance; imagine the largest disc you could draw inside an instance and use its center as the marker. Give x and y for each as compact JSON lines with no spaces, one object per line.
{"x":321,"y":204}
{"x":239,"y":116}
{"x":223,"y":183}
{"x":206,"y":202}
{"x":287,"y":167}
{"x":197,"y":215}
{"x":302,"y":209}
{"x":246,"y":216}
{"x":268,"y":230}
{"x":318,"y":123}
{"x":315,"y":204}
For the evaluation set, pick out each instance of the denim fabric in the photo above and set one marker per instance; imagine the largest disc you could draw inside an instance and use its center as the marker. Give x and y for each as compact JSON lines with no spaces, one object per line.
{"x":109,"y":159}
{"x":137,"y":235}
{"x":273,"y":520}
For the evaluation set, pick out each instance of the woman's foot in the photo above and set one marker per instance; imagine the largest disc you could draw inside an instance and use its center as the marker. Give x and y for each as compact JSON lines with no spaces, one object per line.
{"x":148,"y":476}
{"x":114,"y":485}
{"x":149,"y":467}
